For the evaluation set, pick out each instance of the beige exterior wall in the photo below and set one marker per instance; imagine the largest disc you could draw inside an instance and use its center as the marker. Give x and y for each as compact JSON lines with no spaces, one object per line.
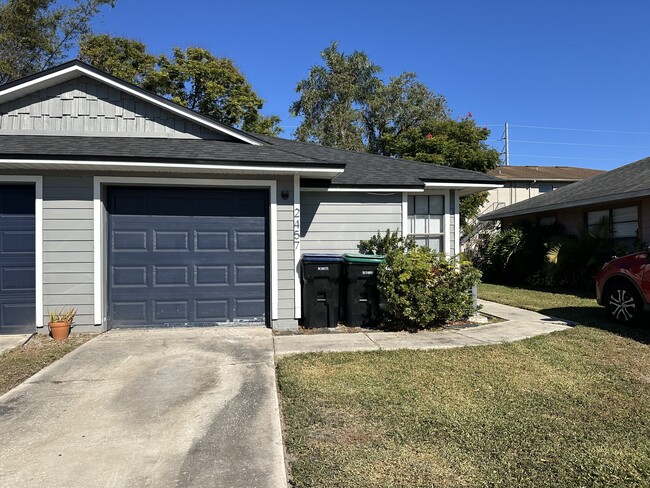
{"x":516,"y":191}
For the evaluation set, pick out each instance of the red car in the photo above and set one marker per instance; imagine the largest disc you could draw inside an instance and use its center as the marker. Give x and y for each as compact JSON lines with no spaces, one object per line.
{"x":623,"y":287}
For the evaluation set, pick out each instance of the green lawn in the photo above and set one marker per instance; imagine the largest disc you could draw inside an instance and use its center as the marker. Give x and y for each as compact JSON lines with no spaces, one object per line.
{"x":566,"y":409}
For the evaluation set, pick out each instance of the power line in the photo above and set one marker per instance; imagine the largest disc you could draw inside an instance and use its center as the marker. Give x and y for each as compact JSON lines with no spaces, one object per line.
{"x":578,"y":144}
{"x":581,"y":130}
{"x":559,"y":157}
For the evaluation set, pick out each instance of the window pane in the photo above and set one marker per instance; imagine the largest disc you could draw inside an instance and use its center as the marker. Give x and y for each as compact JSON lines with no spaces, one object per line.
{"x":435,"y":224}
{"x":545,"y":188}
{"x":626,"y":214}
{"x":595,"y":217}
{"x":421,"y":205}
{"x":411,"y":206}
{"x":420,"y":224}
{"x":436,"y":205}
{"x":421,"y":240}
{"x":435,"y":243}
{"x":624,"y":229}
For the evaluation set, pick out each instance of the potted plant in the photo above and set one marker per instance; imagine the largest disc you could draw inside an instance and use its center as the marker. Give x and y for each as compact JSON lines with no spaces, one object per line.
{"x":60,"y":323}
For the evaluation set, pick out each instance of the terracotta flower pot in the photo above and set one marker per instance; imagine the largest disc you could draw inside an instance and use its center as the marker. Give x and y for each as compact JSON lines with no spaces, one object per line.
{"x":60,"y":330}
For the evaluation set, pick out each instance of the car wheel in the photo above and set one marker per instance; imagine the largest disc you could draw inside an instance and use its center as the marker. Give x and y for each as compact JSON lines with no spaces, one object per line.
{"x":623,"y":303}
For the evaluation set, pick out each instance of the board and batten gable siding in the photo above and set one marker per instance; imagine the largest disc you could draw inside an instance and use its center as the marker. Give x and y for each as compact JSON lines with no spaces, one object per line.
{"x":68,"y":233}
{"x":335,"y":222}
{"x":86,"y":106}
{"x":68,"y":246}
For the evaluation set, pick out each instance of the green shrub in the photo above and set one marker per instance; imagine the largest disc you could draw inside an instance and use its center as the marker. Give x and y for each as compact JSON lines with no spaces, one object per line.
{"x":423,"y":289}
{"x":383,"y":245}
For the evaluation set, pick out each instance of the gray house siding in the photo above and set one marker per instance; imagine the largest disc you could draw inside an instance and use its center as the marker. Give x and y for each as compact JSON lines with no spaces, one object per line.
{"x":333,"y":222}
{"x":85,"y":106}
{"x":68,"y":257}
{"x":68,"y":245}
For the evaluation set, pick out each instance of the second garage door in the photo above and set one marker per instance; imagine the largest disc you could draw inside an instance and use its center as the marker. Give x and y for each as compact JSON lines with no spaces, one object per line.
{"x":187,"y":256}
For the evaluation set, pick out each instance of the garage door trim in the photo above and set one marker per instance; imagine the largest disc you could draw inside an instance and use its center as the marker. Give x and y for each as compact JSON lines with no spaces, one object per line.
{"x":100,"y":223}
{"x":38,"y":235}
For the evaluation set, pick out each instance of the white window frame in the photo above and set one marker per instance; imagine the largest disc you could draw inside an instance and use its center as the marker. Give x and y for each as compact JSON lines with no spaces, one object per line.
{"x":446,"y":218}
{"x":100,"y":246}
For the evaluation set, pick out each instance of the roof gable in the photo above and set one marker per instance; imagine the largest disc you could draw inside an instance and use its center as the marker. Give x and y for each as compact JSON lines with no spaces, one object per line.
{"x":58,"y":82}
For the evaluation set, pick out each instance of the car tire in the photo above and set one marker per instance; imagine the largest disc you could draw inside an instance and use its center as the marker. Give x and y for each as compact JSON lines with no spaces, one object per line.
{"x":623,"y":303}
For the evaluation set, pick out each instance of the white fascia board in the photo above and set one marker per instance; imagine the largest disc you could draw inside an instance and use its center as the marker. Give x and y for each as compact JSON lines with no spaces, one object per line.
{"x":73,"y":71}
{"x":54,"y":163}
{"x":463,"y":188}
{"x":364,"y":190}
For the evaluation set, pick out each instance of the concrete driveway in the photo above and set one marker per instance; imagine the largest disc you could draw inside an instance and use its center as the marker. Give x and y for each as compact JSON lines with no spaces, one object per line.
{"x":159,"y":408}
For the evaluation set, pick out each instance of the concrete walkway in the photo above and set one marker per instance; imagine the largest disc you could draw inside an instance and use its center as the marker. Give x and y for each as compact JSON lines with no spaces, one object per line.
{"x":519,"y":324}
{"x":10,"y":341}
{"x":158,"y":408}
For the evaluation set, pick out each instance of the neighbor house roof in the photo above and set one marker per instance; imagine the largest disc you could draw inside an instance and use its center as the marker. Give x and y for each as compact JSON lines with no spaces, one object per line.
{"x":543,"y":173}
{"x":624,"y":183}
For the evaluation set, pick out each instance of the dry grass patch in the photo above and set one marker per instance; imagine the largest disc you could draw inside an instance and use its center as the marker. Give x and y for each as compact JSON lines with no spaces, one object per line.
{"x":18,"y":364}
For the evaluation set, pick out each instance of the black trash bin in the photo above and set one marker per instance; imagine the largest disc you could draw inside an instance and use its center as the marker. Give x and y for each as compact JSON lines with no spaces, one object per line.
{"x":321,"y":292}
{"x":361,"y":294}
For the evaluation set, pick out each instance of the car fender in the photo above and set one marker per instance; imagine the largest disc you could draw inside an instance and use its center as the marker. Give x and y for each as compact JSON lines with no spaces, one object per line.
{"x":629,"y":280}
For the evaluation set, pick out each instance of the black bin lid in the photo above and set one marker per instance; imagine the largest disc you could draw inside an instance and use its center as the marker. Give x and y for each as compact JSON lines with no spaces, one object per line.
{"x":322,"y":258}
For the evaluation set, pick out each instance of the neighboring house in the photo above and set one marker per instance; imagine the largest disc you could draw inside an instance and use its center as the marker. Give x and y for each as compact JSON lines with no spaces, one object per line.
{"x":621,"y":195}
{"x":523,"y":182}
{"x":139,"y":212}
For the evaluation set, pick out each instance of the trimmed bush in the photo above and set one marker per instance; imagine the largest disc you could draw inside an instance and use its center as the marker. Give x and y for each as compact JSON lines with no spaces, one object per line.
{"x":423,"y":289}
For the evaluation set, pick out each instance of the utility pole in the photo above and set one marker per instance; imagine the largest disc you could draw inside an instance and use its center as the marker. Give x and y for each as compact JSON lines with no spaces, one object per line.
{"x":507,"y":146}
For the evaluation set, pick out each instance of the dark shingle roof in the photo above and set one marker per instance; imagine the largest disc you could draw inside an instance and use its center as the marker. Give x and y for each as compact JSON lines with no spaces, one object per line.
{"x":629,"y":181}
{"x":363,"y":169}
{"x":146,"y":149}
{"x":544,"y":173}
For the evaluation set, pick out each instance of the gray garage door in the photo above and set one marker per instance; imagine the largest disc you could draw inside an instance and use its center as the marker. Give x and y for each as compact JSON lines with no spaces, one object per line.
{"x":187,"y":256}
{"x":17,"y":259}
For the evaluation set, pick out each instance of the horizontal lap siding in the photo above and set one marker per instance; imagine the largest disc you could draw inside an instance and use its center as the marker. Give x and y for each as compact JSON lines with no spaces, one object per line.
{"x":68,"y":245}
{"x":286,"y":268}
{"x":336,"y":222}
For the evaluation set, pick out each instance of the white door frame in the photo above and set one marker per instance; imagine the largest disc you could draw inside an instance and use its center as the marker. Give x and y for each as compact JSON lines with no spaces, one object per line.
{"x":100,"y":274}
{"x":38,"y":236}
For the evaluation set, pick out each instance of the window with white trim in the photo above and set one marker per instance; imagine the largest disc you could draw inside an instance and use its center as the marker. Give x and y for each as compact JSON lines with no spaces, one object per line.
{"x":426,"y":220}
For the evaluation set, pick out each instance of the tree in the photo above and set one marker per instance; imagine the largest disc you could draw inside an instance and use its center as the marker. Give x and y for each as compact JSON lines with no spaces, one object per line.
{"x":345,"y":104}
{"x":333,"y":97}
{"x":126,"y":59}
{"x":37,"y":34}
{"x":448,"y":142}
{"x":193,"y":77}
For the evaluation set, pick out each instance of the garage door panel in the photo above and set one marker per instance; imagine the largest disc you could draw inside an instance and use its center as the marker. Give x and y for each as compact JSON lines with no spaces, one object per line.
{"x":17,"y":259}
{"x":190,"y":259}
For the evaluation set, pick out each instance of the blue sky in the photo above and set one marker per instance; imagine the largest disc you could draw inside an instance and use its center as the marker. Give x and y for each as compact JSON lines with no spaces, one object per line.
{"x":544,"y":67}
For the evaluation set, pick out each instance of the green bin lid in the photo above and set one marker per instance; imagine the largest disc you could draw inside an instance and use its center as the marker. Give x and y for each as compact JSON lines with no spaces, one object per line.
{"x":363,"y":258}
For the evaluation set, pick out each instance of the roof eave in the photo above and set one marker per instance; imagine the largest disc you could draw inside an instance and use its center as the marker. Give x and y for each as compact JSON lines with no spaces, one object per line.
{"x":502,"y":214}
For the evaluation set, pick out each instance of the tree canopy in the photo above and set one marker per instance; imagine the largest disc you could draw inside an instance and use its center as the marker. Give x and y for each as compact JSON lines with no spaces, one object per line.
{"x":344,"y":103}
{"x":37,"y":34}
{"x":192,"y":77}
